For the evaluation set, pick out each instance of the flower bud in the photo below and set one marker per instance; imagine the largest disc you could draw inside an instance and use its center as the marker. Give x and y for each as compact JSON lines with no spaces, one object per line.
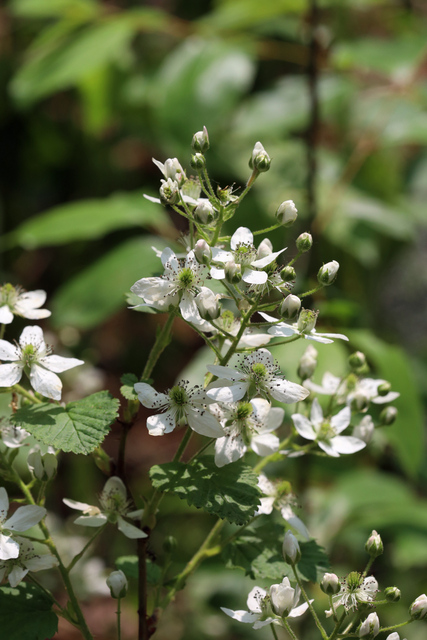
{"x":288,"y":274}
{"x":198,"y":161}
{"x":357,"y":360}
{"x":328,"y":273}
{"x":359,"y":401}
{"x":43,"y":467}
{"x":304,"y":242}
{"x":374,"y":545}
{"x":207,"y":304}
{"x":290,"y":549}
{"x":290,"y":307}
{"x":117,"y":584}
{"x":282,"y":599}
{"x":204,"y":212}
{"x":392,"y":594}
{"x":174,"y":171}
{"x":260,"y":160}
{"x":265,"y":249}
{"x":202,"y":252}
{"x":384,"y":388}
{"x":169,"y":192}
{"x":287,"y":213}
{"x":307,"y":320}
{"x":308,"y":363}
{"x":365,"y":429}
{"x":370,"y":627}
{"x":200,"y":141}
{"x":330,"y":584}
{"x":388,"y":416}
{"x":393,"y":636}
{"x":418,"y":608}
{"x":170,"y":544}
{"x":233,"y":272}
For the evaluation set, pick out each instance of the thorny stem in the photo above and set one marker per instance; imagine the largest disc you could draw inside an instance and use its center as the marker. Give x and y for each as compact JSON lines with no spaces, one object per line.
{"x":272,"y":228}
{"x":310,"y":293}
{"x":289,"y":630}
{"x":85,"y":548}
{"x":339,"y":622}
{"x":310,"y":606}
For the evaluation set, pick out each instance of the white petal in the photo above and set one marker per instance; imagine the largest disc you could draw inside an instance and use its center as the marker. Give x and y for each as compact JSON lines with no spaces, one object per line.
{"x":169,"y":259}
{"x":242,"y":235}
{"x":288,"y":392}
{"x":74,"y":504}
{"x":254,"y":599}
{"x":25,"y":517}
{"x":16,"y":575}
{"x":282,"y":329}
{"x":115,"y":486}
{"x":149,"y":397}
{"x":329,"y":448}
{"x":294,"y":521}
{"x":32,"y":335}
{"x":316,"y":413}
{"x":159,"y":165}
{"x":333,"y":335}
{"x":8,"y":351}
{"x":298,"y":611}
{"x":45,"y":382}
{"x":263,"y":262}
{"x":188,"y":308}
{"x":389,"y":397}
{"x":31,"y":300}
{"x":232,"y":393}
{"x":8,"y":548}
{"x":204,"y":423}
{"x":261,"y":409}
{"x":241,"y":616}
{"x":266,"y":486}
{"x":253,"y":340}
{"x":129,"y":530}
{"x":254,"y":277}
{"x":347,"y":444}
{"x":151,"y":199}
{"x":219,"y":255}
{"x":10,"y":374}
{"x":266,"y":505}
{"x":265,"y":444}
{"x":303,"y":426}
{"x":4,"y":504}
{"x":91,"y":521}
{"x":40,"y":563}
{"x":316,"y":338}
{"x":225,"y":372}
{"x":229,"y":449}
{"x":341,"y":420}
{"x":160,"y":424}
{"x":6,"y":315}
{"x":136,"y":515}
{"x":217,"y":274}
{"x":263,"y":623}
{"x":58,"y":364}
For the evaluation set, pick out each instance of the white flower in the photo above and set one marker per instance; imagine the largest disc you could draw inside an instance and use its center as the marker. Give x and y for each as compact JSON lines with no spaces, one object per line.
{"x":284,"y":600}
{"x":304,"y":327}
{"x":244,"y":254}
{"x":15,"y":301}
{"x":366,"y":390}
{"x":370,"y":626}
{"x":178,"y":403}
{"x":180,"y":283}
{"x":256,"y":374}
{"x":43,"y":467}
{"x":23,"y":519}
{"x":171,"y":169}
{"x":12,"y":436}
{"x":16,"y":569}
{"x":276,"y":497}
{"x":356,"y":590}
{"x":247,"y":424}
{"x":32,"y":356}
{"x":330,"y":386}
{"x":326,"y":431}
{"x":251,"y":337}
{"x":114,"y":508}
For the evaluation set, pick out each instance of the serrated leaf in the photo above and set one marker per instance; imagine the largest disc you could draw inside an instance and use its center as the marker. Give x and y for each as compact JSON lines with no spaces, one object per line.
{"x":129,"y":566}
{"x":26,"y":613}
{"x":229,"y":492}
{"x":258,"y":551}
{"x":79,"y":427}
{"x":127,"y":390}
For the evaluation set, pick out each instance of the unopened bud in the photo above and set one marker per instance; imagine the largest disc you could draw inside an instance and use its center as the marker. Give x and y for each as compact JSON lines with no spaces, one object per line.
{"x":207,"y":304}
{"x":202,"y":252}
{"x":370,"y":627}
{"x":418,"y":608}
{"x":359,"y":401}
{"x":374,"y":545}
{"x":204,"y":212}
{"x":392,"y":594}
{"x":198,"y":161}
{"x":260,"y":160}
{"x":288,"y":274}
{"x":304,"y":242}
{"x":233,"y":272}
{"x":328,"y":273}
{"x":200,"y":141}
{"x":290,"y":307}
{"x":307,"y":320}
{"x":364,"y":430}
{"x":384,"y":388}
{"x":170,"y":544}
{"x":290,"y":549}
{"x":117,"y":584}
{"x":308,"y":363}
{"x":169,"y":192}
{"x":287,"y":213}
{"x":281,"y":599}
{"x":388,"y":416}
{"x":265,"y":249}
{"x":357,"y":360}
{"x":330,"y":584}
{"x":43,"y":467}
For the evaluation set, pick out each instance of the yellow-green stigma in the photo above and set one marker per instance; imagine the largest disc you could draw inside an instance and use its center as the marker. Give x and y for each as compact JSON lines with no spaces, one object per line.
{"x":179,"y":396}
{"x":186,"y":277}
{"x":28,"y":354}
{"x":353,"y":581}
{"x":326,"y":431}
{"x":244,"y":410}
{"x":259,"y":370}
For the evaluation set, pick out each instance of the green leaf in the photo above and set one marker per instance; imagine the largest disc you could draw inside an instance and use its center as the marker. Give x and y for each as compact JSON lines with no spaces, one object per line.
{"x":54,"y":8}
{"x":127,"y":390}
{"x":314,"y":561}
{"x":97,"y":292}
{"x":26,"y":613}
{"x":129,"y":566}
{"x":229,"y":492}
{"x":88,"y":220}
{"x":79,"y":427}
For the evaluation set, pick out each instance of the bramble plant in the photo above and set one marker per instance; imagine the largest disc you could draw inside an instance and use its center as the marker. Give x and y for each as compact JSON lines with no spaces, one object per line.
{"x":235,"y":293}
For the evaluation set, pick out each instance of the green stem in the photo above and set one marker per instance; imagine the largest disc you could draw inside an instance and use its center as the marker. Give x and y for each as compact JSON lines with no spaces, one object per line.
{"x":25,"y":393}
{"x":272,"y":228}
{"x":294,"y":259}
{"x":119,"y":631}
{"x":209,"y":185}
{"x":218,"y":227}
{"x":289,"y":630}
{"x":310,"y":293}
{"x":87,"y":545}
{"x":2,"y":330}
{"x":368,"y":566}
{"x":310,"y":606}
{"x":274,"y":632}
{"x":159,"y":345}
{"x":339,"y":622}
{"x":396,"y":626}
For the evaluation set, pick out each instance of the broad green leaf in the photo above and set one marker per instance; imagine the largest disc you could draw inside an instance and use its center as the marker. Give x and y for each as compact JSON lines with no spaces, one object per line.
{"x":129,"y":566}
{"x":128,"y":381}
{"x":26,"y":613}
{"x":385,"y":55}
{"x":79,"y":427}
{"x":54,"y":8}
{"x":88,"y":220}
{"x":229,"y":492}
{"x":98,"y":291}
{"x":391,"y":363}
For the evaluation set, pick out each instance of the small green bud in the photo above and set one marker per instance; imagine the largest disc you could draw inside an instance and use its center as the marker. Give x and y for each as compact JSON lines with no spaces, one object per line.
{"x":291,"y":550}
{"x":388,"y":416}
{"x":170,"y":544}
{"x":202,"y":252}
{"x":265,"y":248}
{"x":287,"y":213}
{"x":384,"y":389}
{"x":290,"y":307}
{"x":207,"y":304}
{"x":204,"y":212}
{"x":260,"y":160}
{"x":233,"y":272}
{"x":392,"y":594}
{"x":308,"y":363}
{"x":117,"y":584}
{"x":200,"y":142}
{"x":288,"y":274}
{"x":198,"y":161}
{"x":359,"y":401}
{"x":374,"y":545}
{"x":418,"y":608}
{"x":357,"y":360}
{"x":328,"y":273}
{"x":370,"y":627}
{"x":330,"y":584}
{"x":304,"y":242}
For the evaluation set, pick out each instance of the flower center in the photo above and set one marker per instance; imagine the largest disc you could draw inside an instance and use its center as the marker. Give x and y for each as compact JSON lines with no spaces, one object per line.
{"x":259,"y":370}
{"x":244,"y":410}
{"x":353,"y":581}
{"x":29,"y":355}
{"x":326,"y":431}
{"x":8,"y":295}
{"x":244,"y":254}
{"x":186,"y":277}
{"x":179,"y":396}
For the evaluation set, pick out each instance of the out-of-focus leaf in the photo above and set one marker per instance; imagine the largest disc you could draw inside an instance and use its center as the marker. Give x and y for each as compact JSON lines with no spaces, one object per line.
{"x":88,"y":220}
{"x":54,"y":8}
{"x":391,"y":363}
{"x":410,"y":550}
{"x":243,"y":14}
{"x":390,"y":56}
{"x":98,"y":291}
{"x":129,"y":566}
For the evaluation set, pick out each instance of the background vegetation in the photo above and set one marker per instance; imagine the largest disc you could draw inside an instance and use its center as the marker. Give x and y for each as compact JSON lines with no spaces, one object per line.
{"x":336,"y":90}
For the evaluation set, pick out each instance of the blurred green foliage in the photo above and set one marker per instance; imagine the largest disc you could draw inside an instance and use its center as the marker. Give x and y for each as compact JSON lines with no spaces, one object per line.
{"x":92,"y":90}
